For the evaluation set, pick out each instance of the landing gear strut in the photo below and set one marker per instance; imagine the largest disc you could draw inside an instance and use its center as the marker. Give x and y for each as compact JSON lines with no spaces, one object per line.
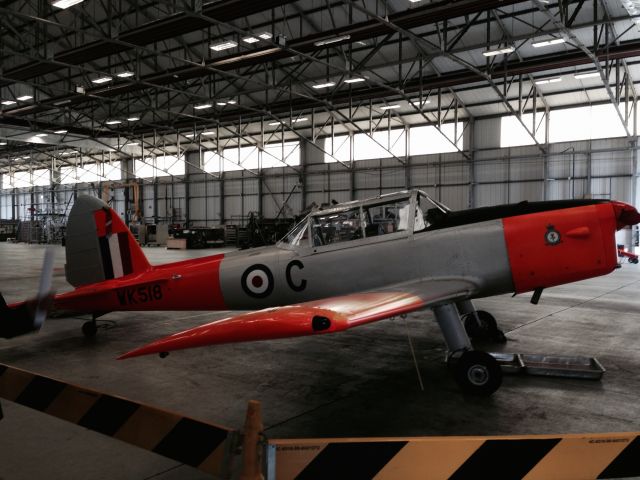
{"x":475,"y":372}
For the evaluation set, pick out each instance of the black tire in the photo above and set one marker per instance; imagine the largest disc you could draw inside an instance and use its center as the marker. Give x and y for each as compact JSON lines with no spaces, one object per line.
{"x":478,"y":373}
{"x":89,"y":329}
{"x":486,"y":329}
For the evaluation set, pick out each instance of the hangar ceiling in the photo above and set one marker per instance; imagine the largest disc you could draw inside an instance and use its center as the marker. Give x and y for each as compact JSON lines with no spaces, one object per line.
{"x":137,"y":77}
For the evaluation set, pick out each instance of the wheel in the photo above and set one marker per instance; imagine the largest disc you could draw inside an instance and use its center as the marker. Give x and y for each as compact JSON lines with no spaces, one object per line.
{"x":89,"y":329}
{"x":478,"y":373}
{"x":485,"y":329}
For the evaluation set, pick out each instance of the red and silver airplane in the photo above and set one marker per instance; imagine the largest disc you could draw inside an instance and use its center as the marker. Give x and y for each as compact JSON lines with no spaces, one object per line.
{"x":346,"y":266}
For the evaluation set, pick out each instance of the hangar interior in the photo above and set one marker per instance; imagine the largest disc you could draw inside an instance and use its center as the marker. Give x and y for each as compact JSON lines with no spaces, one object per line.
{"x":210,"y":114}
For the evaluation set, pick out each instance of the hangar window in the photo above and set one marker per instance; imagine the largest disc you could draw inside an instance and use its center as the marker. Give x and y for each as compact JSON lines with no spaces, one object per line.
{"x":7,"y":181}
{"x":211,"y":162}
{"x":281,"y":154}
{"x":160,"y":166}
{"x":240,"y":158}
{"x":513,"y":134}
{"x":90,"y":172}
{"x":380,"y":144}
{"x":337,"y":149}
{"x":584,"y":123}
{"x":335,"y":227}
{"x":41,"y":178}
{"x":428,"y":139}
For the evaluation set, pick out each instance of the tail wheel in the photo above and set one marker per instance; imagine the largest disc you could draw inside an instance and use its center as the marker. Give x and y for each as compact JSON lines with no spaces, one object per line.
{"x":484,"y":327}
{"x":89,"y":329}
{"x":478,"y":373}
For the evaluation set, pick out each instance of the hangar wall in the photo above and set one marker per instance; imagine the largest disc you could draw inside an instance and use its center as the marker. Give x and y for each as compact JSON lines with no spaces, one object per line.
{"x":483,"y":174}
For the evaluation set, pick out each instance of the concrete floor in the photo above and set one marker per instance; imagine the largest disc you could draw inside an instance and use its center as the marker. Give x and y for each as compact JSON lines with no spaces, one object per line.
{"x":358,"y":383}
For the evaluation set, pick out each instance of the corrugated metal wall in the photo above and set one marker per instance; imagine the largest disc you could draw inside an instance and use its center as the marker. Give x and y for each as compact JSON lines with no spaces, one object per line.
{"x":479,"y":176}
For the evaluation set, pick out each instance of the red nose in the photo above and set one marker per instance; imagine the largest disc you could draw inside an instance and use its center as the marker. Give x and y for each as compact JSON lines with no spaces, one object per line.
{"x":625,"y":214}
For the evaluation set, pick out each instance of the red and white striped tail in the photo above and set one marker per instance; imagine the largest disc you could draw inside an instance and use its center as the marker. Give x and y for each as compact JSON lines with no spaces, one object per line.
{"x":99,"y":245}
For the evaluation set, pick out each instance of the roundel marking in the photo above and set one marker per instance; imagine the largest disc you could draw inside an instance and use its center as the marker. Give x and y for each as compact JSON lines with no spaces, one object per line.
{"x":257,"y":281}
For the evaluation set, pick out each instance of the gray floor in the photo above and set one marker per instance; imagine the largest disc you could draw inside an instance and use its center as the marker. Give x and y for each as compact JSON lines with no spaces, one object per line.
{"x":359,"y":383}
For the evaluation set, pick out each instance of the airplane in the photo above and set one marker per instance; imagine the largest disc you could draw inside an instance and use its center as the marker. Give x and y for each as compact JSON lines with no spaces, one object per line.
{"x":349,"y":265}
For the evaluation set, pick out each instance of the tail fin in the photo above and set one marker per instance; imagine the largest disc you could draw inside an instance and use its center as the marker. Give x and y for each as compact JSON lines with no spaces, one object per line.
{"x":99,"y":246}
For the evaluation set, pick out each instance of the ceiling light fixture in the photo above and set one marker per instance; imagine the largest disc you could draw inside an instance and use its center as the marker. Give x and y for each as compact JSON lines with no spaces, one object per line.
{"x":41,"y":134}
{"x":113,"y":122}
{"x":208,"y":133}
{"x":8,"y":102}
{"x":3,"y":144}
{"x":133,"y":119}
{"x":250,"y":39}
{"x":62,"y":4}
{"x":126,"y":74}
{"x":202,"y":106}
{"x":190,"y":135}
{"x":224,"y":45}
{"x":24,"y":98}
{"x":329,"y":41}
{"x":354,"y":80}
{"x":265,"y":35}
{"x":273,"y":124}
{"x":548,"y":80}
{"x":303,"y":119}
{"x":389,"y":107}
{"x":231,"y":102}
{"x":324,"y":85}
{"x":132,"y":144}
{"x":101,"y":80}
{"x":499,"y":51}
{"x":221,"y":103}
{"x":580,"y":76}
{"x":60,"y":132}
{"x":546,"y":43}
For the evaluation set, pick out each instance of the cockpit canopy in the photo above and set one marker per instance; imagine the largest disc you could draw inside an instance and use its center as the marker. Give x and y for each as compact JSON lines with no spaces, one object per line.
{"x":396,"y":214}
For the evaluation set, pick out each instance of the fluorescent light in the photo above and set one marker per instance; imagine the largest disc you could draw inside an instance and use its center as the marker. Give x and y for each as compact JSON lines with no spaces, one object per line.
{"x":8,"y":102}
{"x":26,"y":158}
{"x":3,"y":144}
{"x":190,"y":135}
{"x":324,"y":85}
{"x":499,"y":51}
{"x":133,"y":119}
{"x":265,"y":35}
{"x":224,"y":45}
{"x":414,"y":1}
{"x":113,"y":122}
{"x":65,"y":3}
{"x":580,"y":76}
{"x":221,"y":103}
{"x":231,"y":102}
{"x":126,"y":74}
{"x":273,"y":124}
{"x":208,"y":133}
{"x":329,"y":41}
{"x":202,"y":106}
{"x":41,"y":134}
{"x":60,"y":132}
{"x":548,"y":80}
{"x":303,"y":119}
{"x":546,"y":43}
{"x":354,"y":80}
{"x":416,"y":102}
{"x":24,"y":98}
{"x":101,"y":80}
{"x":250,"y":39}
{"x":132,"y":144}
{"x":389,"y":107}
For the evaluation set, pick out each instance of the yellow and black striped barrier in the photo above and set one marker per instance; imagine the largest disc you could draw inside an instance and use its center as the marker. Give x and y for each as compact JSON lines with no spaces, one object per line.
{"x":532,"y":457}
{"x":202,"y":445}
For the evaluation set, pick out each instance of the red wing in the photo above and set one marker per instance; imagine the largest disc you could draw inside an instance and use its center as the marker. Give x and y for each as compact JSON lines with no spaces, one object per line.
{"x":329,"y":315}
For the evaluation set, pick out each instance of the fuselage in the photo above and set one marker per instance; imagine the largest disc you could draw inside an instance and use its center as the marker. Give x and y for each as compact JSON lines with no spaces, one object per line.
{"x":515,"y":248}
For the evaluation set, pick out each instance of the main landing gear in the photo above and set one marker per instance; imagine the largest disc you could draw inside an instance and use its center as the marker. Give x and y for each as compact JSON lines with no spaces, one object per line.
{"x":479,"y":324}
{"x":476,"y":372}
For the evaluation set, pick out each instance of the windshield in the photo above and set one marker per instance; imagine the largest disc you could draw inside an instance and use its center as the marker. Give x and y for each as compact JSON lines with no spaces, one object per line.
{"x":299,"y":235}
{"x":337,"y":227}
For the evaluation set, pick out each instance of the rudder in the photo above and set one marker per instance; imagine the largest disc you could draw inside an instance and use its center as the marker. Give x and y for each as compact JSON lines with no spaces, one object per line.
{"x":99,"y":246}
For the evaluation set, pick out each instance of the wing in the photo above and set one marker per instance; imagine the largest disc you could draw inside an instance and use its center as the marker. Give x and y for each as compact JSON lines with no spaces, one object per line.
{"x":329,"y":315}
